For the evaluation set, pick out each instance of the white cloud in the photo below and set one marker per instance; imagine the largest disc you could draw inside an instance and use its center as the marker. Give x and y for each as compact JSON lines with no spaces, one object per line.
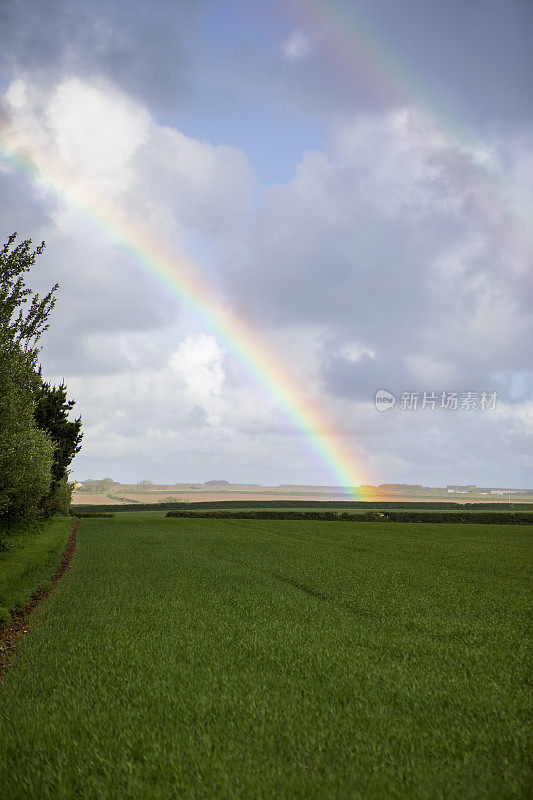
{"x":172,"y":186}
{"x":353,"y":352}
{"x":382,"y":240}
{"x":95,"y":133}
{"x":205,"y":187}
{"x":199,"y":361}
{"x":96,"y":130}
{"x":297,"y":47}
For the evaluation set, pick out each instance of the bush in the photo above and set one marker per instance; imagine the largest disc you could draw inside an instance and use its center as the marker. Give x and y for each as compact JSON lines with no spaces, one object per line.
{"x":89,"y":514}
{"x":25,"y":469}
{"x":104,"y":485}
{"x":26,"y":453}
{"x":58,"y":501}
{"x":488,"y":518}
{"x":51,"y":412}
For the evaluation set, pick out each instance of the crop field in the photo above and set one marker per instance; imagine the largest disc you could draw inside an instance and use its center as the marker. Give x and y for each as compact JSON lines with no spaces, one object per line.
{"x":235,"y":658}
{"x":274,"y":505}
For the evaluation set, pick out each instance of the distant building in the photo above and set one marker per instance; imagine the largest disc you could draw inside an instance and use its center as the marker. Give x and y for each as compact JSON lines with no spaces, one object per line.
{"x":460,"y":489}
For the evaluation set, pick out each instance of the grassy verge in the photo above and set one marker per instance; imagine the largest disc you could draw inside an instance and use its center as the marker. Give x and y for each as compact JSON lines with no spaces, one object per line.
{"x":263,"y":659}
{"x":31,"y":558}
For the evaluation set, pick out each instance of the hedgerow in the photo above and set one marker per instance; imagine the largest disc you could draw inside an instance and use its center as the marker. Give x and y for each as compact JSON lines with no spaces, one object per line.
{"x":90,"y":514}
{"x":326,"y":505}
{"x":495,"y":518}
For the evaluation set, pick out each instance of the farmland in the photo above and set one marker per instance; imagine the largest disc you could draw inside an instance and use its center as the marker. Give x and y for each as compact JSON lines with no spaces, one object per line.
{"x":92,"y":493}
{"x":240,"y":658}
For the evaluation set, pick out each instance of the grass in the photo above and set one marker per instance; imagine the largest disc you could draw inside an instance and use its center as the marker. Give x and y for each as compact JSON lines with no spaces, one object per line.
{"x":31,"y":558}
{"x":276,"y":659}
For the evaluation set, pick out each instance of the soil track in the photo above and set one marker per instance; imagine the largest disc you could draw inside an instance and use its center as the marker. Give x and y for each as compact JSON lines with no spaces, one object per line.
{"x":10,"y":636}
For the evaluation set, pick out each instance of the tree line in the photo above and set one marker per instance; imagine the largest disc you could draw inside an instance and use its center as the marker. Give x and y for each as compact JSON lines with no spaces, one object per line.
{"x":37,"y":439}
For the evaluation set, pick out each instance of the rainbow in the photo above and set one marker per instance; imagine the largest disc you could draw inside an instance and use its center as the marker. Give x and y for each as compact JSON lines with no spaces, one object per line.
{"x":182,"y":278}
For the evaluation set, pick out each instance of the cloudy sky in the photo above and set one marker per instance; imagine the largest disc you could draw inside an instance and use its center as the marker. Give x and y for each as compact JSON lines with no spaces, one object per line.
{"x":355,"y":179}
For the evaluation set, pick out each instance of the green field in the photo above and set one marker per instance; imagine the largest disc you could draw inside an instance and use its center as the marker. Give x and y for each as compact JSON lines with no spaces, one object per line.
{"x":197,"y":658}
{"x":29,"y":558}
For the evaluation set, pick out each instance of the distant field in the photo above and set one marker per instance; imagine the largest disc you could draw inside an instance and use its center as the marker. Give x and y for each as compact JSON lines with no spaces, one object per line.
{"x":184,"y":496}
{"x":90,"y":499}
{"x":207,"y":495}
{"x":272,"y":659}
{"x":188,"y":497}
{"x":310,"y":506}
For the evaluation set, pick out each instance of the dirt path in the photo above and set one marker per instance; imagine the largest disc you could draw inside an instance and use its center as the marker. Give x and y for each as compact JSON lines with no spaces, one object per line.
{"x":10,"y":636}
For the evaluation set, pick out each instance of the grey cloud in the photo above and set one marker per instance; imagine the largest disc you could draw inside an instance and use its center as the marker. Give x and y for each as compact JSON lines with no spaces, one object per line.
{"x":207,"y":187}
{"x":377,"y":242}
{"x":174,"y":184}
{"x":22,"y":210}
{"x":459,"y":59}
{"x":359,"y":380}
{"x":437,"y":448}
{"x":96,"y":293}
{"x":141,"y":48}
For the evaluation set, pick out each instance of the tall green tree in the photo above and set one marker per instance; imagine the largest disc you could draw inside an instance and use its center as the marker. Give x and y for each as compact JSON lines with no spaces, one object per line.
{"x":28,"y":460}
{"x":26,"y":453}
{"x":19,"y":324}
{"x":52,"y":410}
